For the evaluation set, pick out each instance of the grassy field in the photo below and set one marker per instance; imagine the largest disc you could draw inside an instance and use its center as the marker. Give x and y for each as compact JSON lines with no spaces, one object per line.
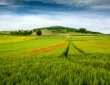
{"x":10,"y":39}
{"x":55,"y":60}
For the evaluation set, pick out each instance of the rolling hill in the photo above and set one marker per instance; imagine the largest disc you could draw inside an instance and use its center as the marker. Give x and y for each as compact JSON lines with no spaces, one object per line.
{"x":64,"y":30}
{"x":54,"y":30}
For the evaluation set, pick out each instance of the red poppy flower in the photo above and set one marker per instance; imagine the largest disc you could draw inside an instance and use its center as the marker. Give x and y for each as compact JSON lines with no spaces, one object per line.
{"x":105,"y":69}
{"x":12,"y":77}
{"x":33,"y":68}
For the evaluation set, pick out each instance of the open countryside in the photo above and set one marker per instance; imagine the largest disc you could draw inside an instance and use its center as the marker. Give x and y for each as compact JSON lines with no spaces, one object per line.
{"x":58,"y":58}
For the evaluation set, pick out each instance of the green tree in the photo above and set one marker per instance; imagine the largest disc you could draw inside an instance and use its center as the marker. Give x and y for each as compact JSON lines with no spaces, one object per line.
{"x":39,"y":32}
{"x":82,"y":30}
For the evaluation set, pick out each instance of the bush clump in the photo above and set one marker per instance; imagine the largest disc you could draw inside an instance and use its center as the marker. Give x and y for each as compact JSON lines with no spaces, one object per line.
{"x":39,"y":32}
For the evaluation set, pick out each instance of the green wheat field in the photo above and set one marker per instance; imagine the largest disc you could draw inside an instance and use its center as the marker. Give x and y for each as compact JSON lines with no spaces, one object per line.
{"x":55,"y":60}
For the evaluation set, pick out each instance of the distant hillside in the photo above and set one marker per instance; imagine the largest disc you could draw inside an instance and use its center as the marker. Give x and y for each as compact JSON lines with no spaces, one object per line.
{"x":54,"y":30}
{"x":65,"y":30}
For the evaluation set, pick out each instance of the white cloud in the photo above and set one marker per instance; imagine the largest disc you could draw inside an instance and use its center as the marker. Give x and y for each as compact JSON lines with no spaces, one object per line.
{"x":15,"y":22}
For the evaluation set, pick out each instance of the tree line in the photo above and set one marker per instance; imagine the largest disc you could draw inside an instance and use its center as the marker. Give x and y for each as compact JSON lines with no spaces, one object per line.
{"x":21,"y":32}
{"x":80,"y":30}
{"x":26,"y":32}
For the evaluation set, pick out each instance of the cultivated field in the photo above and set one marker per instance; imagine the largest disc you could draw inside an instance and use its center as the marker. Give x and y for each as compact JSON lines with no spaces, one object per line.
{"x":54,"y":60}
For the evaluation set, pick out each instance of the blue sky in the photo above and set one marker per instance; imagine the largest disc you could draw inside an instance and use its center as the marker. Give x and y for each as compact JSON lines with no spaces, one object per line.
{"x":28,"y":14}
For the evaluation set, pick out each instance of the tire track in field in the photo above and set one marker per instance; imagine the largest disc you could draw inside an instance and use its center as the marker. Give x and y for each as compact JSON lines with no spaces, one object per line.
{"x":44,"y":49}
{"x":78,"y":49}
{"x":66,"y":51}
{"x":75,"y":49}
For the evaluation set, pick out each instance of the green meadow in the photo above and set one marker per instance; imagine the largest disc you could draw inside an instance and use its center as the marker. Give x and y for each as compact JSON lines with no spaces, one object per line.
{"x":55,"y":60}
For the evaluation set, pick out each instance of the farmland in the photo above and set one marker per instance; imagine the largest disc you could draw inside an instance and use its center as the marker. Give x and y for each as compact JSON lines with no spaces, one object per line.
{"x":54,"y":60}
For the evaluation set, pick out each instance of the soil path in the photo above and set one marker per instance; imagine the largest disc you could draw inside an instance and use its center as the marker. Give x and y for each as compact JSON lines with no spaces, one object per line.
{"x":44,"y":49}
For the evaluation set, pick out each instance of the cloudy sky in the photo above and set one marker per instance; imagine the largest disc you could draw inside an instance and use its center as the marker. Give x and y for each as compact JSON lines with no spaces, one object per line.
{"x":28,"y":14}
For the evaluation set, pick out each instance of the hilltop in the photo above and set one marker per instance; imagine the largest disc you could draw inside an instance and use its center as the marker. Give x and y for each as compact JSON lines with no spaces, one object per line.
{"x":65,"y":30}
